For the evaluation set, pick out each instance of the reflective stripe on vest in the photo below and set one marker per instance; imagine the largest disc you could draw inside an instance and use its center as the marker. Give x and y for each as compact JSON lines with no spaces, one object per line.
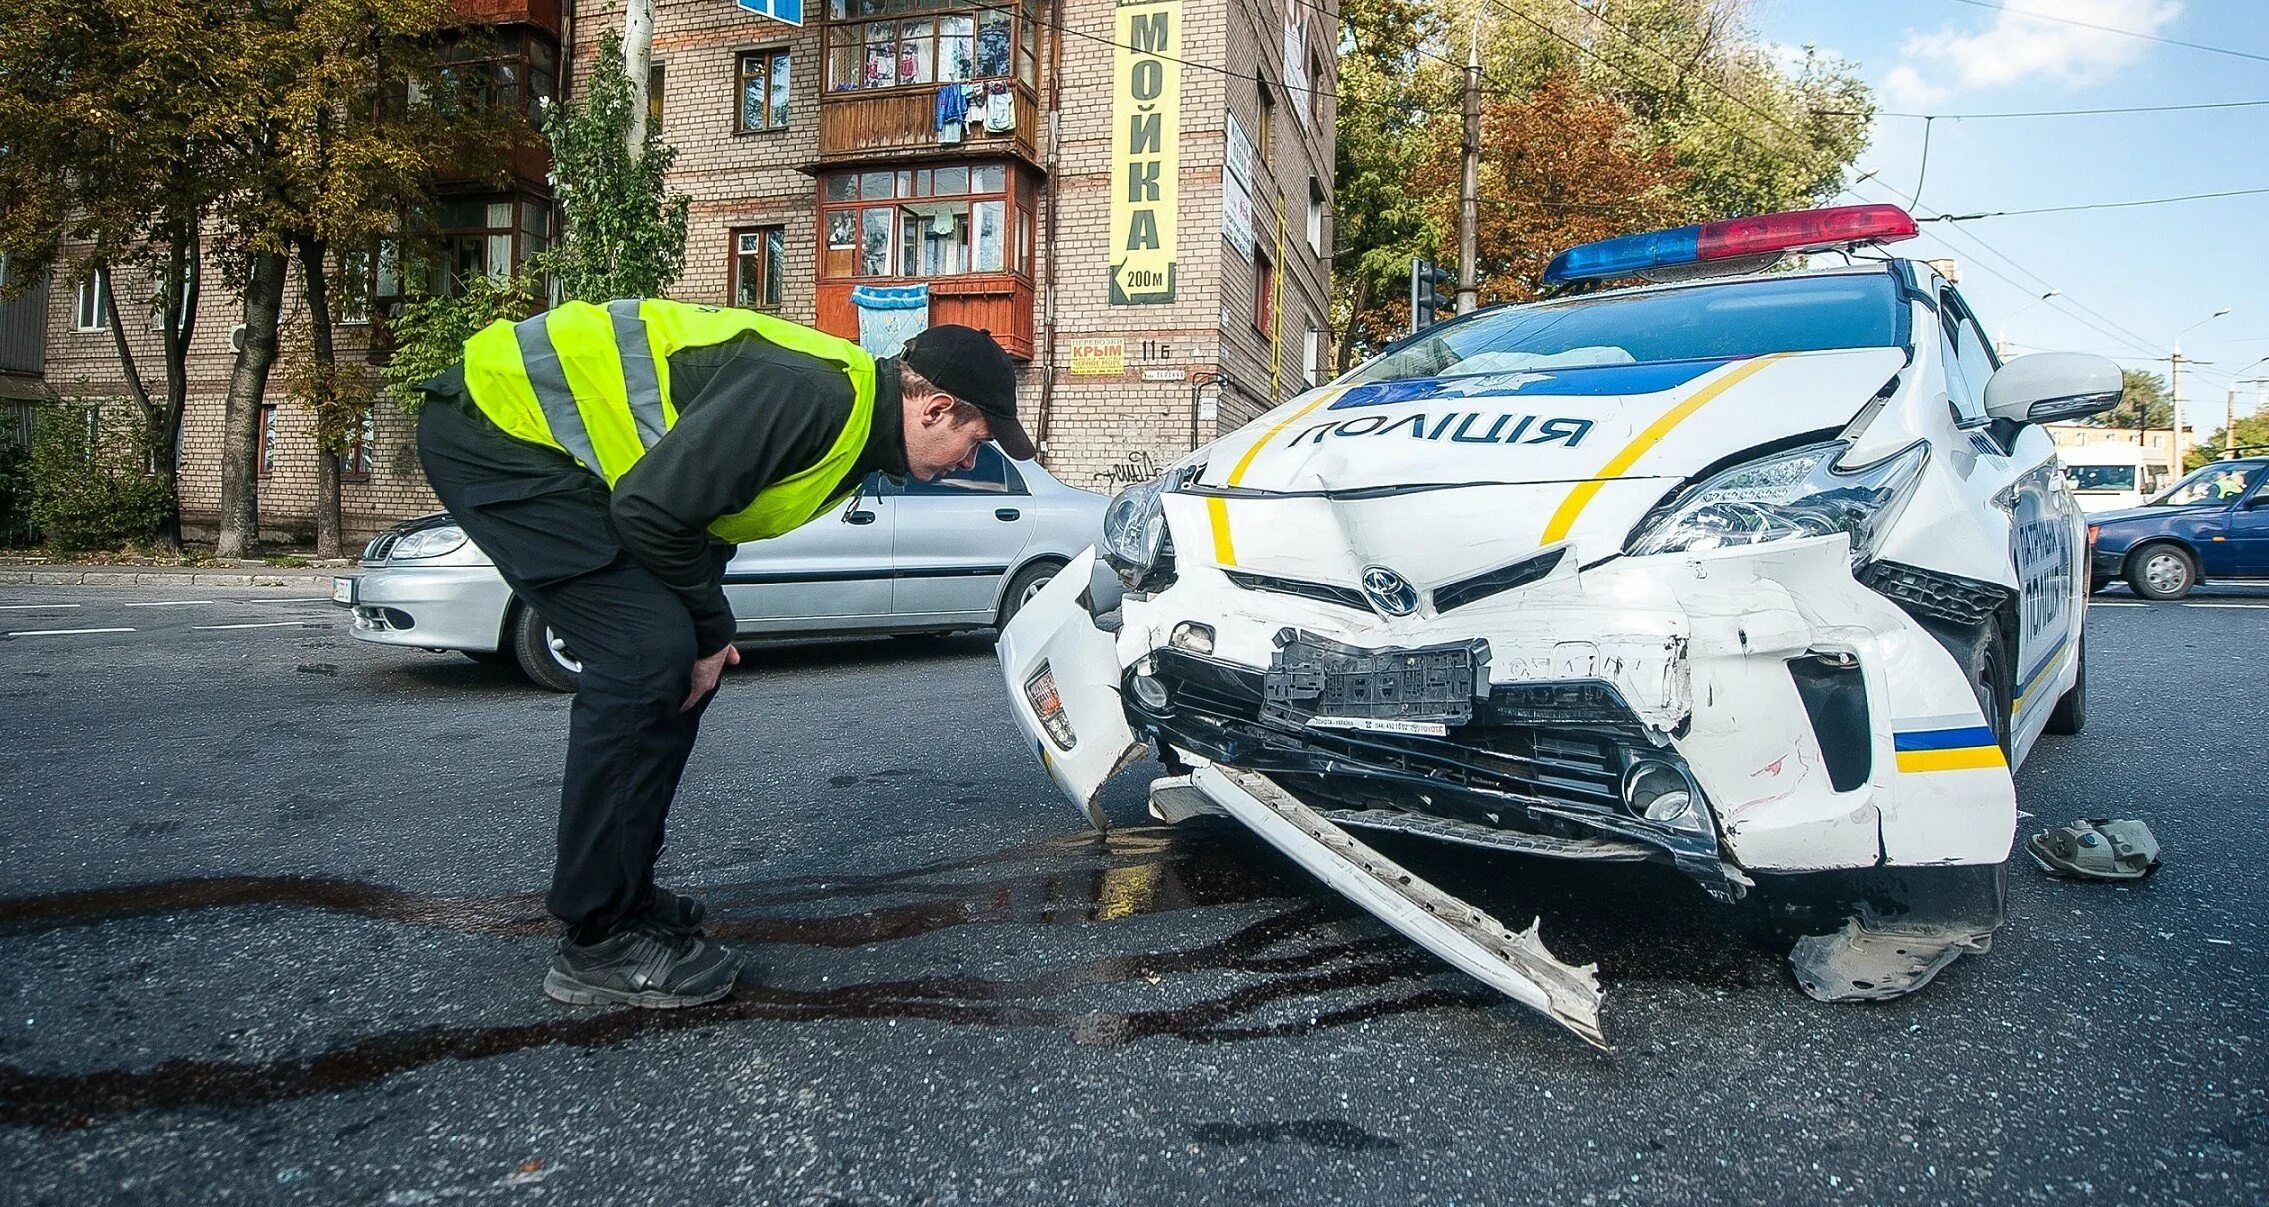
{"x":593,"y":382}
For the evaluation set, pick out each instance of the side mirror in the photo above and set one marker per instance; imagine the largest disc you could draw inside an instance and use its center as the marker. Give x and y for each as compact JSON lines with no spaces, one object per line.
{"x":2257,"y":502}
{"x":2050,"y":386}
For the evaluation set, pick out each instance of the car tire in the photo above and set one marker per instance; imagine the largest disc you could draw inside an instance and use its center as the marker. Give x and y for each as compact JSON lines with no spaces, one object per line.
{"x":2162,"y":571}
{"x":2071,"y":713}
{"x":1990,"y":678}
{"x":1024,"y":586}
{"x":546,"y":667}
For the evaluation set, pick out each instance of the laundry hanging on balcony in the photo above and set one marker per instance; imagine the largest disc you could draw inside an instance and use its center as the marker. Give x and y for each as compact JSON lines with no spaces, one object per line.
{"x":953,"y":110}
{"x":889,"y":315}
{"x":1000,"y":109}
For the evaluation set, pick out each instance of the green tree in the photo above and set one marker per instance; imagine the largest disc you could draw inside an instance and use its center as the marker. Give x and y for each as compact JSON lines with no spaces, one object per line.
{"x":2145,"y":404}
{"x":1680,"y":98}
{"x":624,"y":235}
{"x":2252,"y":440}
{"x":353,"y":122}
{"x":111,"y":158}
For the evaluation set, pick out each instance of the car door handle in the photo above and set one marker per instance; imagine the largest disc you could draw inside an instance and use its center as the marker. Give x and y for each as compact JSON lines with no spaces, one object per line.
{"x":1005,"y":514}
{"x":858,"y":517}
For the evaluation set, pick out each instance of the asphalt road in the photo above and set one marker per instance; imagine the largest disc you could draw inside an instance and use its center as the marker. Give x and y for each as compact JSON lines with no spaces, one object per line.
{"x":270,"y":930}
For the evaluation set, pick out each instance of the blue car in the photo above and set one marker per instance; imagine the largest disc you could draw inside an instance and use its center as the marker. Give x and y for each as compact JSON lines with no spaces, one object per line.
{"x":2212,"y":524}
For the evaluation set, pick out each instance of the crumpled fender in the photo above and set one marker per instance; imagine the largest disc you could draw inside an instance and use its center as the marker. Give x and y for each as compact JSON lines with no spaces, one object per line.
{"x":1053,"y":634}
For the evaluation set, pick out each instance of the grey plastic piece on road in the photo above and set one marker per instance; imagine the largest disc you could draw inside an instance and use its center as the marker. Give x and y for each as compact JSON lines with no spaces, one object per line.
{"x":2096,"y":849}
{"x":1870,"y":959}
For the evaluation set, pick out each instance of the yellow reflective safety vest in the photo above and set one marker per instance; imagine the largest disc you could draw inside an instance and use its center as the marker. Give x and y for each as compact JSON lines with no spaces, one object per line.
{"x":594,"y":382}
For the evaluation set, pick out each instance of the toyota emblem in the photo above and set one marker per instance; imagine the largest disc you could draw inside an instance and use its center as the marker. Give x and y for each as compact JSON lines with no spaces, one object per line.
{"x":1390,"y":593}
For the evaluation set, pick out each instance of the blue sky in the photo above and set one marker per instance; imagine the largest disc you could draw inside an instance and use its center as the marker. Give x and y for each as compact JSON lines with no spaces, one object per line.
{"x":2131,"y":279}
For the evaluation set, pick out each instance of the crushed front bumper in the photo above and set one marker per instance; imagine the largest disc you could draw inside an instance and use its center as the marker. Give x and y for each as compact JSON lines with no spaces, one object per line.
{"x":1817,"y":724}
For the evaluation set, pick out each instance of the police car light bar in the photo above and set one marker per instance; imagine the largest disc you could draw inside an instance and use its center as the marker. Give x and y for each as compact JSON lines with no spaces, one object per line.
{"x":1773,"y":235}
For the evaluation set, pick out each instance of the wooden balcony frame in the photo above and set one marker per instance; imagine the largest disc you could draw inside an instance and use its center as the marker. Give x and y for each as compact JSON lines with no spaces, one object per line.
{"x":858,"y":126}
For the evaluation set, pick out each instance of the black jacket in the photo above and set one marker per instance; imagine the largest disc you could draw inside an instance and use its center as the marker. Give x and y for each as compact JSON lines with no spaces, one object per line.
{"x":750,"y":413}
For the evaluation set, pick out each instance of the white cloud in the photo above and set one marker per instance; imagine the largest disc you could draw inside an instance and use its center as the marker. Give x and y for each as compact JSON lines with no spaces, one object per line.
{"x":2016,"y":47}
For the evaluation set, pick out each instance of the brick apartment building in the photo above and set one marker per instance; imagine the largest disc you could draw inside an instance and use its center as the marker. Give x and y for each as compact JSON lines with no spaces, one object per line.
{"x":826,"y":169}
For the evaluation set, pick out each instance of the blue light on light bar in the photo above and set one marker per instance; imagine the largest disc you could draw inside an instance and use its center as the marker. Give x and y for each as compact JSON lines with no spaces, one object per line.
{"x":1625,"y":256}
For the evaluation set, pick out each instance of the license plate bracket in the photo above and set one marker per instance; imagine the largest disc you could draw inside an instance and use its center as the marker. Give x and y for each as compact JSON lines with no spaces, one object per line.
{"x":1312,"y":679}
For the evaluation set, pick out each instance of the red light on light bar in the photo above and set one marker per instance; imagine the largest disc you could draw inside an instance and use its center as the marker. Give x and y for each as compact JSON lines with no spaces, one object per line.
{"x":1803,"y":230}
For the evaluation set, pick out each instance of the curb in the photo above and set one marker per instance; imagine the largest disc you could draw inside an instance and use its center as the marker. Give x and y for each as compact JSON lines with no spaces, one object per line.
{"x":162,"y":578}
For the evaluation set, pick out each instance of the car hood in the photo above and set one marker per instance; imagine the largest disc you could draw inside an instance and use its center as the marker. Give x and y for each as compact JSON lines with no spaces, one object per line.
{"x":2146,"y":513}
{"x":1352,"y":476}
{"x":1661,"y":420}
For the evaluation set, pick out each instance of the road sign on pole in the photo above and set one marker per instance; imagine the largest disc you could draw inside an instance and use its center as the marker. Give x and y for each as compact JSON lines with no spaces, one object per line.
{"x":789,"y":12}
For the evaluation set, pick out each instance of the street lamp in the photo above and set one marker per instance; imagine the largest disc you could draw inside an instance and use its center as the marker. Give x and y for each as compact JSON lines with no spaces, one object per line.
{"x":2001,"y":338}
{"x":2174,"y":387}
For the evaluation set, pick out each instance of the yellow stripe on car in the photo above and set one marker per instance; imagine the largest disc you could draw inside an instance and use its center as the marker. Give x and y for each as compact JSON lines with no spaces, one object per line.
{"x":1966,"y":758}
{"x":1217,"y":509}
{"x":1572,"y":508}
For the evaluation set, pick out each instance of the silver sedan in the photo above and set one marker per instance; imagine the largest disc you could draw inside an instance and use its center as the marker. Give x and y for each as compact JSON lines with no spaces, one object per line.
{"x":963,"y":552}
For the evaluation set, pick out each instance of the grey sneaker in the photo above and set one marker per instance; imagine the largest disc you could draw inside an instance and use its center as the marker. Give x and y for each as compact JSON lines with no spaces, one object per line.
{"x":646,"y":965}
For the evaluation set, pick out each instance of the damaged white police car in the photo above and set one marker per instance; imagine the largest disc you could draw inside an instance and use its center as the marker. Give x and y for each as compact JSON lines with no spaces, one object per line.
{"x":1769,"y":576}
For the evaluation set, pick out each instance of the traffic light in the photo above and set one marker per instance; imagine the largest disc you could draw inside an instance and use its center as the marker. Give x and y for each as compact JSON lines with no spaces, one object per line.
{"x":1431,"y":293}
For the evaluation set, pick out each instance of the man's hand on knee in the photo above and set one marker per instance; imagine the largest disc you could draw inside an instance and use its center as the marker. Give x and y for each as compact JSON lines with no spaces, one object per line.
{"x":706,"y":672}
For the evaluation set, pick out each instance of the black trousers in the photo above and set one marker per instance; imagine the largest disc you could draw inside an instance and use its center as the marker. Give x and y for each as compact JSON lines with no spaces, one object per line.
{"x":543,"y":520}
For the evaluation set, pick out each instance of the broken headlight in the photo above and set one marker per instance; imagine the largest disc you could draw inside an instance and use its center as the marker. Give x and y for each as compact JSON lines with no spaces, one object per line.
{"x":1134,"y":530}
{"x":1792,"y":494}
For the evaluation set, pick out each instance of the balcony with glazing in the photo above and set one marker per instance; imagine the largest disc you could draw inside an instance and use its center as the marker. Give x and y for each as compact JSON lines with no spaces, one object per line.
{"x":889,"y":61}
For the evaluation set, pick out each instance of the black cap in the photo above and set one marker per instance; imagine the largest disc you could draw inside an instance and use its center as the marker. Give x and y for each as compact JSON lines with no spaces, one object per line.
{"x":967,"y":364}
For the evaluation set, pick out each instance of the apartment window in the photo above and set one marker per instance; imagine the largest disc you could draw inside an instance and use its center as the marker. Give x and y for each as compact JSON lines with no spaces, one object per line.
{"x":354,"y":464}
{"x":762,"y":86}
{"x":266,"y":452}
{"x":509,"y":71}
{"x":757,"y":265}
{"x":89,"y":314}
{"x":917,"y":42}
{"x":1316,"y":88}
{"x":1315,"y":216}
{"x":1311,"y":356}
{"x":1264,"y":292}
{"x":492,"y":235}
{"x":926,"y":222}
{"x":654,"y":100}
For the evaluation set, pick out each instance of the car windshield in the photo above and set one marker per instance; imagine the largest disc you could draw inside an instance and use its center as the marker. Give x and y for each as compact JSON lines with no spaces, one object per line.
{"x":1700,"y":322}
{"x":2101,"y":477}
{"x":2220,"y":483}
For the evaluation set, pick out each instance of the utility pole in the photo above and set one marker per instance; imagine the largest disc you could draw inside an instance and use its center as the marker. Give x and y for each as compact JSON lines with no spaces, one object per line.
{"x":2174,"y":393}
{"x":637,"y":53}
{"x":1469,"y":186}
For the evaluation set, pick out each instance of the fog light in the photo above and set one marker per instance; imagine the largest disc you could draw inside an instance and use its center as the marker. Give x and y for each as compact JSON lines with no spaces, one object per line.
{"x":1192,"y":636}
{"x":1661,"y":794}
{"x":1150,"y":692}
{"x":1040,"y":689}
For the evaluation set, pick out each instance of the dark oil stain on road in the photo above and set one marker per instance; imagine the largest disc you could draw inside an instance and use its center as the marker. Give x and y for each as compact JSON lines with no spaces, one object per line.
{"x":1295,"y":953}
{"x":1302,"y":951}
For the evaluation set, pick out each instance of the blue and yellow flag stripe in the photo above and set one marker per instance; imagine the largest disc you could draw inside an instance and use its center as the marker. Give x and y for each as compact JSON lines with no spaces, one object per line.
{"x":1963,"y":748}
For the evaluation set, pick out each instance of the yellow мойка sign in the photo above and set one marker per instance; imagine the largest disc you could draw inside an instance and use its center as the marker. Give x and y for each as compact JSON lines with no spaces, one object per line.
{"x":1146,"y":150}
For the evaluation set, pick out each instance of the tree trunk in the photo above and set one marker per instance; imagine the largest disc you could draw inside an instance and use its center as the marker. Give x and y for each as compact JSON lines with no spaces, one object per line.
{"x":327,"y":524}
{"x":637,"y":57}
{"x":247,"y":389}
{"x":176,"y":322}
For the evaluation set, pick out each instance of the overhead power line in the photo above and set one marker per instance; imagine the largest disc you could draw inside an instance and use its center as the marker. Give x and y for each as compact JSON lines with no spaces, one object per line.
{"x":1981,"y":117}
{"x":1989,"y":6}
{"x":2100,"y":205}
